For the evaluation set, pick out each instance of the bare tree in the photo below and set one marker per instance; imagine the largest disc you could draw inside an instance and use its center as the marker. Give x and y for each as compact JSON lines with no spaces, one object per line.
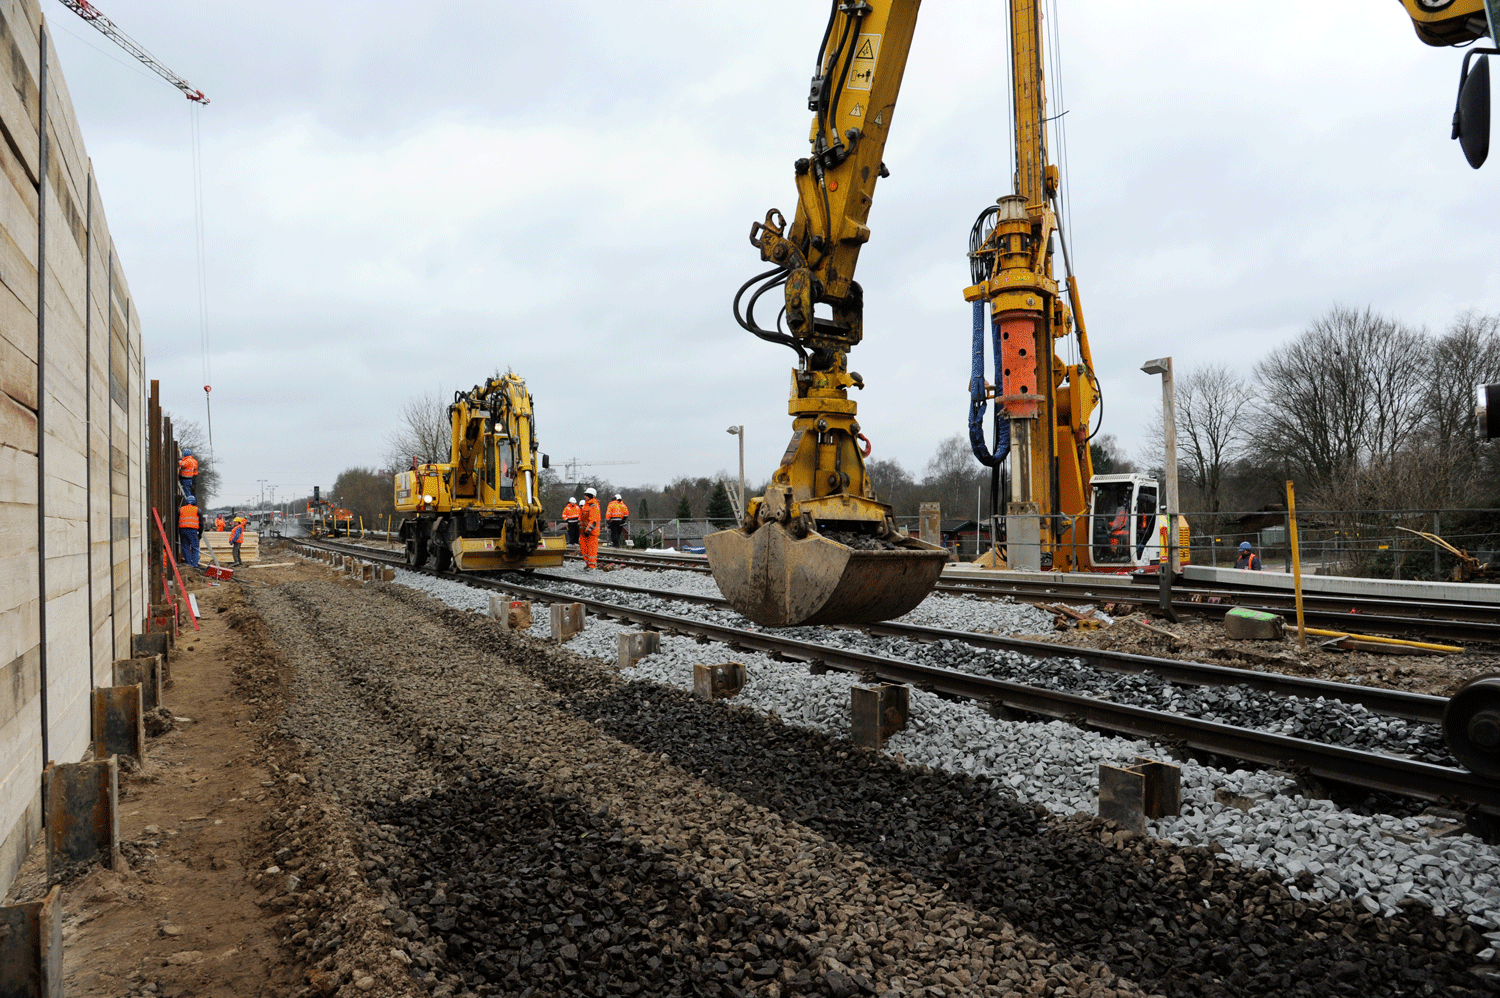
{"x":954,"y":477}
{"x":1347,"y":390}
{"x":893,"y":484}
{"x":424,"y":433}
{"x":1210,"y":404}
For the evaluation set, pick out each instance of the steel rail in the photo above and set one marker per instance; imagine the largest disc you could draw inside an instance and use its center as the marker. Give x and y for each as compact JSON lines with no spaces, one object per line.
{"x":1477,"y":622}
{"x":1419,"y":707}
{"x":1370,"y":770}
{"x":1387,"y":702}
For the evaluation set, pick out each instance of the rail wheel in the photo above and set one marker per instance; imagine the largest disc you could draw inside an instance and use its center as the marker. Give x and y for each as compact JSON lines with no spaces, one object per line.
{"x":416,"y":551}
{"x":442,"y":557}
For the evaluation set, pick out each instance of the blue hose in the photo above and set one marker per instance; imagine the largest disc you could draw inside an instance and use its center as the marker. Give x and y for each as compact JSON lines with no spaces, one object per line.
{"x":978,"y":404}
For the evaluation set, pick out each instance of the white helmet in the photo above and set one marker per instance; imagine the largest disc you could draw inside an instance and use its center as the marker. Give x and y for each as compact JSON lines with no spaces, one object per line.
{"x":590,"y":492}
{"x":572,"y":498}
{"x":617,"y":496}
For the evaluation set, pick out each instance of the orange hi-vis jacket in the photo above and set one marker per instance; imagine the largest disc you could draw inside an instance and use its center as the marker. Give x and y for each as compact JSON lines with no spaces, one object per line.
{"x":570,"y":513}
{"x":218,"y":523}
{"x":237,"y":535}
{"x":617,"y":510}
{"x":188,"y":467}
{"x":588,"y":518}
{"x":187,"y":517}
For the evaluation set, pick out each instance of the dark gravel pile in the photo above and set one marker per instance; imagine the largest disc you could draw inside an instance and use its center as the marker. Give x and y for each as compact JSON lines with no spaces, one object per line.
{"x":1176,"y":921}
{"x":540,"y":892}
{"x":551,"y":825}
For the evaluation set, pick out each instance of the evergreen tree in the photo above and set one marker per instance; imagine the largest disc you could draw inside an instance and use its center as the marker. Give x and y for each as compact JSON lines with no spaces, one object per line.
{"x":645,"y":508}
{"x":720,"y":511}
{"x":684,"y":511}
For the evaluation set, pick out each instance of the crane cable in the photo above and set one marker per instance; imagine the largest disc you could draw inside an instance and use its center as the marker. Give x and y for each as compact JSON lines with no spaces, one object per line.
{"x":196,"y":129}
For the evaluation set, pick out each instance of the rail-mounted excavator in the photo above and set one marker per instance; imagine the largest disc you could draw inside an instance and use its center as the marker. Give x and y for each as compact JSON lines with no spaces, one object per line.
{"x":818,"y":546}
{"x":482,"y":509}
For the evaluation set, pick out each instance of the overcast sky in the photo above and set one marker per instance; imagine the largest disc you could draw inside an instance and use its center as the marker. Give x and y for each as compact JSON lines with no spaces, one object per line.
{"x":404,"y":197}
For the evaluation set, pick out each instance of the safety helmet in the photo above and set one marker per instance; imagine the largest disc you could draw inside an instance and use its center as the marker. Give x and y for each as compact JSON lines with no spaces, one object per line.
{"x":590,"y":492}
{"x":617,"y":496}
{"x":187,"y":452}
{"x":1244,"y":545}
{"x":572,"y":498}
{"x":239,"y":519}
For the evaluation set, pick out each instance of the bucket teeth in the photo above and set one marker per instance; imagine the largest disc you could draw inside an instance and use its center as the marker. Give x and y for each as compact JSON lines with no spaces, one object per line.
{"x":779,"y":580}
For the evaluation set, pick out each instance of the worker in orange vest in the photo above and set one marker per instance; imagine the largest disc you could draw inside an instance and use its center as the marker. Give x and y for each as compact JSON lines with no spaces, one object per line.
{"x":570,"y":519}
{"x":588,"y":529}
{"x":187,"y":533}
{"x":187,"y":473}
{"x":219,"y":523}
{"x":616,"y":515}
{"x":237,"y":537}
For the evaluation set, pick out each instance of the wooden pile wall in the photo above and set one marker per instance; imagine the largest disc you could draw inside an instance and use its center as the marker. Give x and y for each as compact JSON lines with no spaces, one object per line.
{"x":89,"y":540}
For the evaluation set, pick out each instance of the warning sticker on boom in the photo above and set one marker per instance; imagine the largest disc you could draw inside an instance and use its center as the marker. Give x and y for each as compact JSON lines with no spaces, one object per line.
{"x":862,"y":67}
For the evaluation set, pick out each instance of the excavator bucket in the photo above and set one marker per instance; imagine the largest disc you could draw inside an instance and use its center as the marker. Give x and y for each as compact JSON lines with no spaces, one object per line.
{"x":778,"y":580}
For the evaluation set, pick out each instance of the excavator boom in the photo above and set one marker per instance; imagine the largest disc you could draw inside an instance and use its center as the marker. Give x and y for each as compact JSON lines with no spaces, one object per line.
{"x":819,"y":547}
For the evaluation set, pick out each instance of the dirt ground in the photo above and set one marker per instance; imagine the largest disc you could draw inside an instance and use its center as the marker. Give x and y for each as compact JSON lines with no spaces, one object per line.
{"x":1199,"y":640}
{"x":181,"y":916}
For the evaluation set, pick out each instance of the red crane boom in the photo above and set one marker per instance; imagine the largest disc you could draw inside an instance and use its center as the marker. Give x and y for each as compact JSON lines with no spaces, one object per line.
{"x":106,"y":27}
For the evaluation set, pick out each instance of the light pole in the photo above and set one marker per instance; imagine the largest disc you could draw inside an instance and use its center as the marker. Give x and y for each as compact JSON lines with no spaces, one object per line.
{"x":1173,"y":561}
{"x":262,"y":482}
{"x":739,"y":431}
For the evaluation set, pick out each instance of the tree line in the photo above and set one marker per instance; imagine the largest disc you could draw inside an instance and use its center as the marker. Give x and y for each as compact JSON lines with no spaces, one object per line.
{"x":1360,"y":410}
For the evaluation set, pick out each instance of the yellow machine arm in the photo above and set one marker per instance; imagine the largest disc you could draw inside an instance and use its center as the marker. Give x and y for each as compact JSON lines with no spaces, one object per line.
{"x":818,"y":547}
{"x":1047,"y":402}
{"x":494,"y":441}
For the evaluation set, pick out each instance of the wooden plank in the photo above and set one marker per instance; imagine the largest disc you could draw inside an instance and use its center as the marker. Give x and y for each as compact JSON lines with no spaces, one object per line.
{"x":17,"y":472}
{"x":20,"y":41}
{"x":17,"y":426}
{"x":18,"y":679}
{"x":68,"y":676}
{"x":17,"y":365}
{"x":18,"y":578}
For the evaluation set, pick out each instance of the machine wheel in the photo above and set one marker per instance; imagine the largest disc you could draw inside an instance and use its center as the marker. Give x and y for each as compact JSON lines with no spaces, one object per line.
{"x":442,"y":557}
{"x":416,"y":551}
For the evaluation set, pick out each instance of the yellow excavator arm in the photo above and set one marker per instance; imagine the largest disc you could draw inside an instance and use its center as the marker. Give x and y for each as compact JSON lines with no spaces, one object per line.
{"x":818,"y":547}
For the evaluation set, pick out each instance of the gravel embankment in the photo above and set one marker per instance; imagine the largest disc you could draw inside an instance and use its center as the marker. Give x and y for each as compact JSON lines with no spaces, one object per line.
{"x":892,"y":878}
{"x":1258,"y":818}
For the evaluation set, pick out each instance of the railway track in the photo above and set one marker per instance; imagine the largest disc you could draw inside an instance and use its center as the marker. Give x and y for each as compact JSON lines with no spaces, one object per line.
{"x":1339,"y":764}
{"x":1447,"y":620}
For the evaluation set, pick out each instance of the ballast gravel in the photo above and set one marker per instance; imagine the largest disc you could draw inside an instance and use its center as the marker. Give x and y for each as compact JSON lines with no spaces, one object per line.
{"x":1324,"y":854}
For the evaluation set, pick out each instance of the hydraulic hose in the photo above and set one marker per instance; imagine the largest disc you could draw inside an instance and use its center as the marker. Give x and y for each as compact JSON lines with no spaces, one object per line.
{"x":978,"y":401}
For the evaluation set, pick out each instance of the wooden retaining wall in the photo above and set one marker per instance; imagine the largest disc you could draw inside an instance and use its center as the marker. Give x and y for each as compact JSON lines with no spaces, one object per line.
{"x":72,"y":552}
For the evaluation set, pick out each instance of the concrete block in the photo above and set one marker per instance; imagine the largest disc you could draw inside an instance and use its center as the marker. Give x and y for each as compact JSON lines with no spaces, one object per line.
{"x":31,"y":948}
{"x":877,"y":712}
{"x":717,"y":682}
{"x":367,"y":573}
{"x":144,"y":672}
{"x":1253,"y":625}
{"x":567,"y":620}
{"x":387,"y":575}
{"x":118,"y":727}
{"x":634,"y":647}
{"x":83,"y":814}
{"x":1129,"y":795}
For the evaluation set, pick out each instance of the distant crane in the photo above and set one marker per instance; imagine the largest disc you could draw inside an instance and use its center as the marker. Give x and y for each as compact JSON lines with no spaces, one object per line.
{"x":107,"y":28}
